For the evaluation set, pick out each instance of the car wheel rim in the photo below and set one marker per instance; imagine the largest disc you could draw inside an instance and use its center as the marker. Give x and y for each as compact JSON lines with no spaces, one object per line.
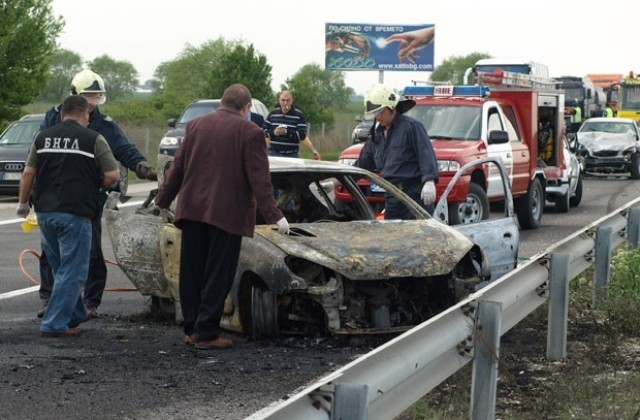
{"x":470,"y":211}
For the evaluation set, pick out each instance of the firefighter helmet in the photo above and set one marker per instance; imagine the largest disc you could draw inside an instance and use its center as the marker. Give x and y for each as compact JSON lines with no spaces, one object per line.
{"x":377,"y":98}
{"x":87,"y":81}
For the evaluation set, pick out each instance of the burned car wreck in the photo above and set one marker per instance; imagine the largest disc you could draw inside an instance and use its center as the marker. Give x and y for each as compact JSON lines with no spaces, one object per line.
{"x":341,"y":270}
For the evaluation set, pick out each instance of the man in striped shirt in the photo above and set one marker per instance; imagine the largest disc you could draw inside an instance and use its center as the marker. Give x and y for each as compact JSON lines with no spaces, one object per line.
{"x":285,"y":128}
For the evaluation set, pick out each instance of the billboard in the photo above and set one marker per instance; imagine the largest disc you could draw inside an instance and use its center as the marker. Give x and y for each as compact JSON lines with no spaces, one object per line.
{"x":361,"y":47}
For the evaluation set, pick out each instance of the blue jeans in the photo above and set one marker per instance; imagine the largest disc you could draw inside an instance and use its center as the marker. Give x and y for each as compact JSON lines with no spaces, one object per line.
{"x":66,"y":239}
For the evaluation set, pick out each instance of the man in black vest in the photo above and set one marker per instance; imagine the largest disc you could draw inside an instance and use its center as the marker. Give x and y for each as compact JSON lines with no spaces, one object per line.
{"x":90,"y":85}
{"x":68,"y":164}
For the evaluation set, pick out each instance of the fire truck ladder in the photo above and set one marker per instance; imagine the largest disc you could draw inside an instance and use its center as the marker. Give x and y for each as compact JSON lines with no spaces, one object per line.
{"x":500,"y":78}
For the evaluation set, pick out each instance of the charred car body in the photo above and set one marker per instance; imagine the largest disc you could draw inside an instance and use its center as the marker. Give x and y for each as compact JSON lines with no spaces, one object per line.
{"x":341,"y":270}
{"x":610,"y":146}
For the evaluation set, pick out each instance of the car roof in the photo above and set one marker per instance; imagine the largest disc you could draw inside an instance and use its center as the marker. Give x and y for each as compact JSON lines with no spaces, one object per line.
{"x":612,"y":120}
{"x":280,"y":164}
{"x":32,"y":117}
{"x":257,"y":105}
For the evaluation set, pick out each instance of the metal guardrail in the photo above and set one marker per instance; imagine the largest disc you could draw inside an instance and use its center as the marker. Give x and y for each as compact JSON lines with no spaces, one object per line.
{"x":388,"y":380}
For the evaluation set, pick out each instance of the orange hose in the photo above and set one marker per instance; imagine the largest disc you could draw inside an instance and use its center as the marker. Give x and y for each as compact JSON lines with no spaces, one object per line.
{"x":37,"y":283}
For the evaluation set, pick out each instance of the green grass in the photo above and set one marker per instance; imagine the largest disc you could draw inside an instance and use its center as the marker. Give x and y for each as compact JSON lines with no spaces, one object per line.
{"x":599,"y":378}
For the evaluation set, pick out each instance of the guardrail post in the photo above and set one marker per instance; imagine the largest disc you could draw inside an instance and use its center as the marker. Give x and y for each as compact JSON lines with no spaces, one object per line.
{"x":349,"y":402}
{"x":633,"y":228}
{"x":603,"y":263}
{"x":558,"y":306}
{"x":485,"y":361}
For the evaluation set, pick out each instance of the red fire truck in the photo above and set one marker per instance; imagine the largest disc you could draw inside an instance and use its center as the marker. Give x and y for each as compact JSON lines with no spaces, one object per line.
{"x":516,"y":116}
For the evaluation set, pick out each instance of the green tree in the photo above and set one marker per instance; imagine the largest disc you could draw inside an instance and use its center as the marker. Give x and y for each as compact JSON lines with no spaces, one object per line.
{"x":453,"y":68}
{"x":63,"y":65}
{"x":120,"y":77}
{"x":189,"y":75}
{"x":318,"y":93}
{"x":28,"y":32}
{"x":242,"y":65}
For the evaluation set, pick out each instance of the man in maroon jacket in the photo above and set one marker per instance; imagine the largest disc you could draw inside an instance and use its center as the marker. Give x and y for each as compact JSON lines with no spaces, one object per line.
{"x":221,"y":170}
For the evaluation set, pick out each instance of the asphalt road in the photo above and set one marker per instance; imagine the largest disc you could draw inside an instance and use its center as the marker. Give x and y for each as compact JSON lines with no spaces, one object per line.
{"x":41,"y":379}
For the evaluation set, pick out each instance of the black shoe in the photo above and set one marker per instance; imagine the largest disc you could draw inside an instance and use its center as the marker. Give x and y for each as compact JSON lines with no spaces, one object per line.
{"x":42,"y":310}
{"x":92,"y":313}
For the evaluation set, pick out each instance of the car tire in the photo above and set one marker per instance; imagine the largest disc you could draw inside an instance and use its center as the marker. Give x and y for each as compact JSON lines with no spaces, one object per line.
{"x":562,"y":203}
{"x":635,"y":166}
{"x":530,"y":206}
{"x":577,"y":198}
{"x":474,"y":209}
{"x":264,"y":316}
{"x":163,"y":308}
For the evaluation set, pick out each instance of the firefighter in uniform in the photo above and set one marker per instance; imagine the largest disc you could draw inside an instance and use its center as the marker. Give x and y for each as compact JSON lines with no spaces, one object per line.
{"x":400,"y":149}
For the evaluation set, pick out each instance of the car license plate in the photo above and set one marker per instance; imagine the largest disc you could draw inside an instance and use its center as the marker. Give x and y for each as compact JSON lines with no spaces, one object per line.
{"x":376,"y":188}
{"x":12,"y":176}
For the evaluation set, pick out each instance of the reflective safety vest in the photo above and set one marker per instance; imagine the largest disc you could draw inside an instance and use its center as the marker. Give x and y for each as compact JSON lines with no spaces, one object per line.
{"x":608,"y":112}
{"x":577,"y":115}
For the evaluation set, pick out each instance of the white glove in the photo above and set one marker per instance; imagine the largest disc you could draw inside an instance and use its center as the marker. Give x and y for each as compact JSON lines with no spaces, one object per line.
{"x":428,"y":193}
{"x":23,"y":209}
{"x":283,"y":226}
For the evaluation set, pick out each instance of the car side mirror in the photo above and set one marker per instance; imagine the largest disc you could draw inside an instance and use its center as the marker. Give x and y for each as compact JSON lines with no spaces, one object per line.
{"x":171,"y":122}
{"x":498,"y":137}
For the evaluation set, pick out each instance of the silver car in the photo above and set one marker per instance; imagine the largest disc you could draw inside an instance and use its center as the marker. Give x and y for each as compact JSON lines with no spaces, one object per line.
{"x":567,"y":191}
{"x":609,"y":146}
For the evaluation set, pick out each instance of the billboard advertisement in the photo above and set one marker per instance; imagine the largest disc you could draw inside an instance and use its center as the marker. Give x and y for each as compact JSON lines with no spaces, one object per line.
{"x":360,"y":46}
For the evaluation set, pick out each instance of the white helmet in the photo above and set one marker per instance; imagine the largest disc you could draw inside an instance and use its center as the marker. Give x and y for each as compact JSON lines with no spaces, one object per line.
{"x":87,"y":81}
{"x":377,"y":98}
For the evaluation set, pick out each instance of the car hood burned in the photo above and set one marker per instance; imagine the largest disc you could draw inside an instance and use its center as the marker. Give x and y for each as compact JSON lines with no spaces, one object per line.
{"x":427,"y":249}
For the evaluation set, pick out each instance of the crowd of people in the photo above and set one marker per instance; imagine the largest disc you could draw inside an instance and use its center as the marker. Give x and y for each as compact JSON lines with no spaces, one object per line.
{"x":222,"y":166}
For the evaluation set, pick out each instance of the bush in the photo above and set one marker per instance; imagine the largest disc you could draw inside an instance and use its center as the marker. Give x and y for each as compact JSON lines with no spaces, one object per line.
{"x":623,"y":292}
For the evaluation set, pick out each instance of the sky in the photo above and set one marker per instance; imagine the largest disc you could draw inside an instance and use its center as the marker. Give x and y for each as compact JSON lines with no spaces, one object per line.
{"x":570,"y":40}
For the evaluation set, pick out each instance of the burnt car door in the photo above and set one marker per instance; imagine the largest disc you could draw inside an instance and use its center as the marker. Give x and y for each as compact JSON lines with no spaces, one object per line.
{"x":499,"y":237}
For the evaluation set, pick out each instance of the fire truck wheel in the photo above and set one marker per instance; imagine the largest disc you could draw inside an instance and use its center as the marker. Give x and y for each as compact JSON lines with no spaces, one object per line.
{"x":577,"y":198}
{"x":562,"y":203}
{"x":529,"y":207}
{"x":474,"y":209}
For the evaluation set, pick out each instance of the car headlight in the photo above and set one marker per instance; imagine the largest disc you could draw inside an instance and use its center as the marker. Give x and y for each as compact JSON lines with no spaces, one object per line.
{"x":169,"y":141}
{"x":345,"y":161}
{"x":448,"y":165}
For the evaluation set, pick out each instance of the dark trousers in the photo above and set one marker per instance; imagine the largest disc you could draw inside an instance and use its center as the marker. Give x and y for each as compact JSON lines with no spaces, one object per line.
{"x":394,"y":209}
{"x":97,"y":278}
{"x":208,"y":262}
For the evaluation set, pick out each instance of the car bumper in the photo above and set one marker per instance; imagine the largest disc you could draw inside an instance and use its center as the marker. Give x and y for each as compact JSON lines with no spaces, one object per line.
{"x":559,"y":187}
{"x":607,"y":164}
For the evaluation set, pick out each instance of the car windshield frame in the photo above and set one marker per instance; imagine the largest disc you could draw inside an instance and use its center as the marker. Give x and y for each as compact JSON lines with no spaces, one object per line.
{"x":332,"y":196}
{"x":20,"y":132}
{"x":619,"y":127}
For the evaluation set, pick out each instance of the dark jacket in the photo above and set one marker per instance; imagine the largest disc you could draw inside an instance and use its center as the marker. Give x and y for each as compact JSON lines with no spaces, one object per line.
{"x":406,"y":154}
{"x":258,"y":119}
{"x":124,"y":151}
{"x":221,"y":170}
{"x":67,"y":176}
